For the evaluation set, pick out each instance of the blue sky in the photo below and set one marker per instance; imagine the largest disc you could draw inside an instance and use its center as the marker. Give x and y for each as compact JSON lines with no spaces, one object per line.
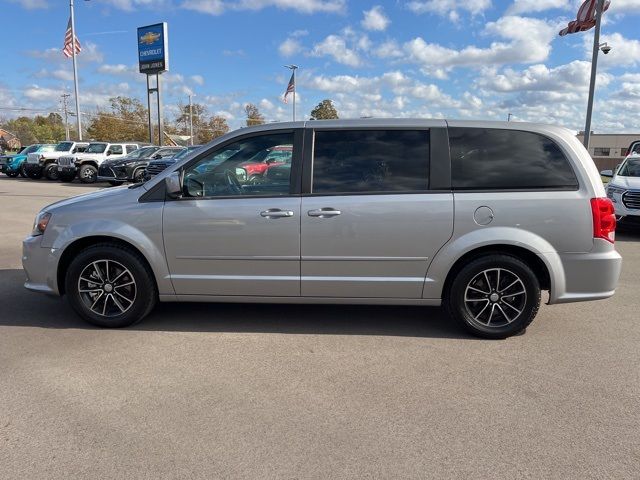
{"x":418,"y":58}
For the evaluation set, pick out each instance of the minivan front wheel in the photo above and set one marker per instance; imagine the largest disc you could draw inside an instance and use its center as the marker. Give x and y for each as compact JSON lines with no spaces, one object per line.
{"x":495,"y":296}
{"x":110,"y":286}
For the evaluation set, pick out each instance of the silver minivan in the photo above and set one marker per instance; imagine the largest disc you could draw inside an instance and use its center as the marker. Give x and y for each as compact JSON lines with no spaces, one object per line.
{"x":479,"y":217}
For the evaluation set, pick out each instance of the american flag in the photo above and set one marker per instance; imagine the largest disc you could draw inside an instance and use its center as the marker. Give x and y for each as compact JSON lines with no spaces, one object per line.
{"x":67,"y":50}
{"x":290,"y":88}
{"x":586,"y":18}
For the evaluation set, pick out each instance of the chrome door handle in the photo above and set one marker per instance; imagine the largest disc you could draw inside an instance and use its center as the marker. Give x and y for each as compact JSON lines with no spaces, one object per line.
{"x":324,"y":212}
{"x":276,"y":213}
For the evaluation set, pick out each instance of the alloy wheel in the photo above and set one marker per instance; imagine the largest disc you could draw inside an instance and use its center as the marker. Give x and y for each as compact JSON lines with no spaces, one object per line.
{"x":107,"y":288}
{"x":495,"y":297}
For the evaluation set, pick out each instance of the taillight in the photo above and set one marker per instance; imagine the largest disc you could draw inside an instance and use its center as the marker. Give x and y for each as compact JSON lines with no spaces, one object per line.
{"x":604,"y":219}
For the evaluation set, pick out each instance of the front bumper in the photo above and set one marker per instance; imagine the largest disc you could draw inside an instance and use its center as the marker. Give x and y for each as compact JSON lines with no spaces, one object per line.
{"x":107,"y":173}
{"x":32,"y":167}
{"x":40,"y":266}
{"x":67,"y":169}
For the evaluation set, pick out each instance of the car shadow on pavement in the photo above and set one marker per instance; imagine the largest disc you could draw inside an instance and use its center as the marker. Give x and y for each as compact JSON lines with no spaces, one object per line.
{"x":628,"y":233}
{"x":28,"y":309}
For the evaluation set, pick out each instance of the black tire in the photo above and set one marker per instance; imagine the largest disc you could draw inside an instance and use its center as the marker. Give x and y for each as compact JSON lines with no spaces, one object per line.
{"x":12,"y":174}
{"x":142,"y":295}
{"x":66,"y":177}
{"x":34,"y":174}
{"x":51,"y":172}
{"x":138,"y":176}
{"x":23,"y":170}
{"x":88,"y":174}
{"x":483,"y":284}
{"x":114,"y":183}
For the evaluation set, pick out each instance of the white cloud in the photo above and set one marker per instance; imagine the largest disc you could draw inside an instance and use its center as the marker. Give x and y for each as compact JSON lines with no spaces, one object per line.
{"x":289,"y":47}
{"x":449,"y":7}
{"x":336,"y":47}
{"x":217,"y":7}
{"x":528,"y":41}
{"x":531,"y":6}
{"x":118,"y":69}
{"x":388,"y":49}
{"x":32,"y":4}
{"x":624,"y":51}
{"x":619,"y":6}
{"x":567,"y":78}
{"x":90,"y":53}
{"x":197,"y":79}
{"x":65,"y":75}
{"x":375,"y":19}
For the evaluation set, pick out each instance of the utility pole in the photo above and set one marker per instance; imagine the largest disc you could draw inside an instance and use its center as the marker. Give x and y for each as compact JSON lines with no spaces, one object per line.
{"x":594,"y":67}
{"x":65,"y":96}
{"x":191,"y":119}
{"x":509,"y":117}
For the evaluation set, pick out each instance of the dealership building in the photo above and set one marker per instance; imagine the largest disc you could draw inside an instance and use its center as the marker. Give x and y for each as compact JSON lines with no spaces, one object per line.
{"x":609,"y":149}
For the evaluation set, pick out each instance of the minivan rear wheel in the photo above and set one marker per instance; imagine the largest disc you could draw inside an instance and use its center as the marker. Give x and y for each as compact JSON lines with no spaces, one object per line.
{"x":494,"y":296}
{"x":110,"y":286}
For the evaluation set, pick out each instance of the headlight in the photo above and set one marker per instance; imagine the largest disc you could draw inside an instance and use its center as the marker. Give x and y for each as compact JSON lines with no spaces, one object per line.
{"x":40,"y":225}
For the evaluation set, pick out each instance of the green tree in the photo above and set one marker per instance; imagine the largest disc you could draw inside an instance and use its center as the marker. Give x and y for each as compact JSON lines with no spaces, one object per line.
{"x":254,"y":117}
{"x":324,"y":111}
{"x":39,"y":129}
{"x":125,"y":120}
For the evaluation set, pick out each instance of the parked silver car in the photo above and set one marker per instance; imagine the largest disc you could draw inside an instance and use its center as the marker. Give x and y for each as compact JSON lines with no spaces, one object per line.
{"x":477,"y":216}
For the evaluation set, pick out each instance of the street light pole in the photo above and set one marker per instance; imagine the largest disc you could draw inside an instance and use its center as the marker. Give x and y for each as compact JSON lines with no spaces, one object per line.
{"x":66,"y":115}
{"x":594,"y":67}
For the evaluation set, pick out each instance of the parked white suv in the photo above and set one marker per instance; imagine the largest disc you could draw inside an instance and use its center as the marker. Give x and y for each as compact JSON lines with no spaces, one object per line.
{"x":624,"y":189}
{"x":44,"y":163}
{"x":85,"y":165}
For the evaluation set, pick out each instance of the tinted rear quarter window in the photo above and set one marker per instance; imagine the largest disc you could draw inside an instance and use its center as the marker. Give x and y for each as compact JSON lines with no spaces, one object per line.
{"x":370,"y":161}
{"x":494,"y":159}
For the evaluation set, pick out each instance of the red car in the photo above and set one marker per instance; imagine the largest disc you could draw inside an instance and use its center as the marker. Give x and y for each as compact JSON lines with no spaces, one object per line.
{"x":262,"y":161}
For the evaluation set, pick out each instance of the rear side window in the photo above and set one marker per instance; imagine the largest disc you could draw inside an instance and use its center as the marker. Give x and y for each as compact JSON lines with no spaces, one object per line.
{"x":370,"y":161}
{"x":492,"y":159}
{"x":131,"y":148}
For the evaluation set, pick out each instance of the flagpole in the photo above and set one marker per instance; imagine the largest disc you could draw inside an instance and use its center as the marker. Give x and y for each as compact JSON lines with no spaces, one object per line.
{"x":594,"y":66}
{"x":294,"y":93}
{"x":75,"y":70}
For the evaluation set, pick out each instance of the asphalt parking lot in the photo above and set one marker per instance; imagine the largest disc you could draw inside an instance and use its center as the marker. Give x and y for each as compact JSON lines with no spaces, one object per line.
{"x":267,"y":391}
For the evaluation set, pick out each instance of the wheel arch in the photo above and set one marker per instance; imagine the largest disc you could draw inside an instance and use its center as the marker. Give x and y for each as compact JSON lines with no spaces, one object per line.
{"x":531,"y":259}
{"x":75,"y":247}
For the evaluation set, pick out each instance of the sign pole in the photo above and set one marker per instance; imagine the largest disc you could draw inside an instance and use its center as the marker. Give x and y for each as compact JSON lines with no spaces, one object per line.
{"x":160,"y":122}
{"x":594,"y":67}
{"x":149,"y":112}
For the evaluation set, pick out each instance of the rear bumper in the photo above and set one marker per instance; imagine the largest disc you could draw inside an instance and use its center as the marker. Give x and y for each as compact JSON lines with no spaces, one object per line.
{"x":587,"y":276}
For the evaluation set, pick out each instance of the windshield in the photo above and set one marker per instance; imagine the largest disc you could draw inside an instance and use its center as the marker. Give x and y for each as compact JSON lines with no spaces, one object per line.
{"x":184,"y":152}
{"x":96,"y":148}
{"x":140,"y":153}
{"x":30,"y":149}
{"x":631,"y":168}
{"x":64,"y":146}
{"x":169,"y":152}
{"x":46,"y":148}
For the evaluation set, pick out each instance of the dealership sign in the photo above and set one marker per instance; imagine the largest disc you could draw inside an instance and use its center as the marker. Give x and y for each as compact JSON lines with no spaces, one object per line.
{"x":153,"y":51}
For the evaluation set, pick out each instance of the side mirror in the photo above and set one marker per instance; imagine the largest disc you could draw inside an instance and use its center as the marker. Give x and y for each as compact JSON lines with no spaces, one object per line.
{"x":607,"y":173}
{"x":173,"y":185}
{"x":157,"y":156}
{"x":108,"y":152}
